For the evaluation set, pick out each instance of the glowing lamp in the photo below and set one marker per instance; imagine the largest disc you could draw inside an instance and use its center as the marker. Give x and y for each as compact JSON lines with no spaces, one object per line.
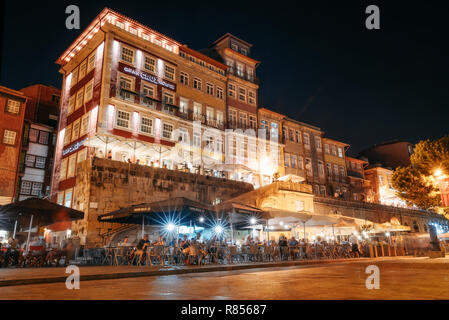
{"x":170,"y":227}
{"x":252,"y":220}
{"x":218,"y":229}
{"x":201,"y":219}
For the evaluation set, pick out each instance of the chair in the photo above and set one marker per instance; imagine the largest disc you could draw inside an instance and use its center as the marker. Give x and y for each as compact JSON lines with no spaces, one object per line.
{"x":109,"y":255}
{"x":158,"y":253}
{"x":120,"y":255}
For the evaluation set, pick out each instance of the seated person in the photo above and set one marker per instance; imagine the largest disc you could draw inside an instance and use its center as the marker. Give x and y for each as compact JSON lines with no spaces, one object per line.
{"x":141,"y":246}
{"x":124,"y":243}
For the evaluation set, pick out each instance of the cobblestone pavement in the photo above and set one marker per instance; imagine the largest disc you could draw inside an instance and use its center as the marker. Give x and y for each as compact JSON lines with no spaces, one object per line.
{"x":410,"y":278}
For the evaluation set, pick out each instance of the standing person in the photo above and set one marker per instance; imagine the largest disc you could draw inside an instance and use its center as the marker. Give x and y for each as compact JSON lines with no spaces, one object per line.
{"x":283,"y":247}
{"x":355,"y":245}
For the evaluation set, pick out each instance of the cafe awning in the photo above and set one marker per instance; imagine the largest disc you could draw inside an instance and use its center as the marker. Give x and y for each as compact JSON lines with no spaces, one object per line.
{"x":285,"y":215}
{"x":177,"y":210}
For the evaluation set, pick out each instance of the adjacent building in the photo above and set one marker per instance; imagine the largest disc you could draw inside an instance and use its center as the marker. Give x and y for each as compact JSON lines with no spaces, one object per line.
{"x":359,"y":185}
{"x":391,"y":154}
{"x":12,"y":112}
{"x":383,"y":191}
{"x":38,"y":141}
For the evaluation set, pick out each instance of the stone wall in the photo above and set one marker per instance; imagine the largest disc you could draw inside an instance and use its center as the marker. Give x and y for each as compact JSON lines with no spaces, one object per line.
{"x":376,"y":213}
{"x":105,"y":185}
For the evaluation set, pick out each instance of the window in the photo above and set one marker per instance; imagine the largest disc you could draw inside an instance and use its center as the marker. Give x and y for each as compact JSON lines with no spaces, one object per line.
{"x":34,"y":135}
{"x":127,"y":55}
{"x":119,"y":24}
{"x":76,"y":130}
{"x":74,"y":77}
{"x":219,"y":117}
{"x":340,"y":152}
{"x":84,"y":124}
{"x":219,"y":93}
{"x":293,"y":161}
{"x":122,"y":119}
{"x":329,"y":170}
{"x":167,"y":131}
{"x":184,"y":78}
{"x":68,"y":198}
{"x":25,"y":187}
{"x":68,"y":134}
{"x":197,"y":83}
{"x":316,"y":189}
{"x":252,"y":97}
{"x":197,"y":108}
{"x":9,"y":137}
{"x":298,"y":136}
{"x":209,"y":113}
{"x":79,"y":99}
{"x":82,"y":155}
{"x":209,"y":88}
{"x":242,"y":94}
{"x":183,"y":135}
{"x":243,"y":118}
{"x":252,"y":122}
{"x":71,"y":166}
{"x":91,"y":61}
{"x":291,"y":135}
{"x":306,"y":140}
{"x":36,"y":189}
{"x":234,"y":47}
{"x":149,"y":64}
{"x":326,"y":148}
{"x":335,"y":171}
{"x":132,"y":31}
{"x":334,"y":150}
{"x":71,"y":107}
{"x":230,"y":64}
{"x":13,"y":106}
{"x":286,"y":160}
{"x":321,"y":169}
{"x":169,"y":47}
{"x":89,"y":90}
{"x":83,"y":69}
{"x":300,"y":163}
{"x":219,"y":146}
{"x":318,"y":144}
{"x":231,"y":90}
{"x":233,"y":116}
{"x":157,"y":42}
{"x":63,"y":170}
{"x":30,"y":160}
{"x":196,"y":139}
{"x":342,"y":172}
{"x":43,"y":137}
{"x":250,"y":74}
{"x":146,"y":125}
{"x":240,"y":70}
{"x":183,"y":105}
{"x":60,"y":200}
{"x":323,"y":190}
{"x":309,"y":167}
{"x":169,"y":72}
{"x":169,"y":98}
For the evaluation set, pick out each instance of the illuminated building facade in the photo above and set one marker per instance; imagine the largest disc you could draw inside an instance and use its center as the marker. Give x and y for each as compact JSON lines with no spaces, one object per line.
{"x":380,"y":180}
{"x":132,"y":94}
{"x":336,"y":172}
{"x":12,"y":111}
{"x":359,"y":185}
{"x":303,"y":154}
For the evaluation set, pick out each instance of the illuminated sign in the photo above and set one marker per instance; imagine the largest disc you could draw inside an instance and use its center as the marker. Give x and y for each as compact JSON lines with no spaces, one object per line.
{"x":142,"y":209}
{"x":150,"y":78}
{"x":73,"y":147}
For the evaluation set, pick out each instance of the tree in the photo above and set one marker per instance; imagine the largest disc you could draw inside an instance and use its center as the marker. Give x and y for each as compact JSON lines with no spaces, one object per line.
{"x":416,"y":183}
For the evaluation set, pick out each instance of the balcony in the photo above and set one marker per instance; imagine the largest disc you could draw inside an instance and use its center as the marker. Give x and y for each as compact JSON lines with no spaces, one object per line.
{"x":231,"y":71}
{"x":126,"y":94}
{"x":355,"y":174}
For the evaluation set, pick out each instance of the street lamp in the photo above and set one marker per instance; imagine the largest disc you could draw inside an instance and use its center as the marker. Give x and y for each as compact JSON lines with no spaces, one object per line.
{"x":252,"y":220}
{"x":170,"y":227}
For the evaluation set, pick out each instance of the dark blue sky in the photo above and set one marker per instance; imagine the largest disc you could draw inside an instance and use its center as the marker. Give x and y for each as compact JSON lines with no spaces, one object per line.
{"x":319,"y":64}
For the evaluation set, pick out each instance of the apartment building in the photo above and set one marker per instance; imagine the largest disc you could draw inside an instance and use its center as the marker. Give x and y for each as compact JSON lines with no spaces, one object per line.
{"x":12,"y":112}
{"x":383,"y":191}
{"x":304,"y":154}
{"x":38,"y":141}
{"x":336,"y":172}
{"x":359,"y":185}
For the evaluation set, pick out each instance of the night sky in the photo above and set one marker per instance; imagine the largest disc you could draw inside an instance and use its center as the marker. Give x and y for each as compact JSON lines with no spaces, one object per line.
{"x":319,"y":64}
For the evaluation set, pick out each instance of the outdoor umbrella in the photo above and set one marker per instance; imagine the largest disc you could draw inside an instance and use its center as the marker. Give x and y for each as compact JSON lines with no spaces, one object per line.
{"x":40,"y":212}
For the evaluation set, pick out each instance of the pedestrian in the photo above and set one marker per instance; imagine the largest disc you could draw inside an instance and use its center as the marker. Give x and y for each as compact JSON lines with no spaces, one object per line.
{"x":355,"y":245}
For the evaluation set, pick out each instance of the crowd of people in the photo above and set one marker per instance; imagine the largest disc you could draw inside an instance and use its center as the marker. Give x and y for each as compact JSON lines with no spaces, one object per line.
{"x":36,"y":253}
